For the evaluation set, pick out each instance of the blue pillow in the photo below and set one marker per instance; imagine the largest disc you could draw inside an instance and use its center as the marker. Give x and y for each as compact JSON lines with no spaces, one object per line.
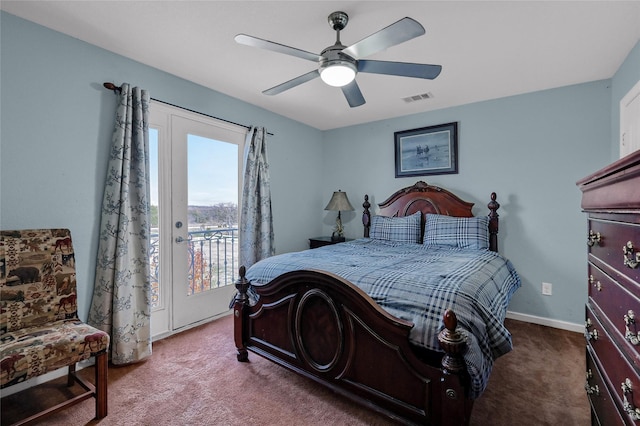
{"x":463,"y":232}
{"x":398,"y":229}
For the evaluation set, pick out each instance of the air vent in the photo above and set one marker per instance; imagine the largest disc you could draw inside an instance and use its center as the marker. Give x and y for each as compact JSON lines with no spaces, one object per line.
{"x":421,"y":97}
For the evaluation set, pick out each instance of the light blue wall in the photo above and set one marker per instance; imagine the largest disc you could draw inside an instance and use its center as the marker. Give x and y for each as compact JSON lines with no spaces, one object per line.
{"x":624,"y":79}
{"x":529,"y":149}
{"x":56,"y":125}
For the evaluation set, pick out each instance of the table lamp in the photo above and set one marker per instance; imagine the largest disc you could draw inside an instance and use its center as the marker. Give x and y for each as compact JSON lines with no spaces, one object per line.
{"x":338,"y":202}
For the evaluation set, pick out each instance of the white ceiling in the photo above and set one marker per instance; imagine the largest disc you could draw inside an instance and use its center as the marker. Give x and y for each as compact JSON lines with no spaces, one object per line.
{"x":487,"y":49}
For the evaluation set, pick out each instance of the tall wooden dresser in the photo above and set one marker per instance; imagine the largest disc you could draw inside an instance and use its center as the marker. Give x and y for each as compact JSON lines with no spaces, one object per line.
{"x":611,"y":199}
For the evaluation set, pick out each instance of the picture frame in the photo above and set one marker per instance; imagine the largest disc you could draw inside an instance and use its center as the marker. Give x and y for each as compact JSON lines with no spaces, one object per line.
{"x":429,"y":150}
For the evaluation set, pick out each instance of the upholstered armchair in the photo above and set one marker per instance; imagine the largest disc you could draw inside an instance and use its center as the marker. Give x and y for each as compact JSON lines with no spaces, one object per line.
{"x":39,"y":326}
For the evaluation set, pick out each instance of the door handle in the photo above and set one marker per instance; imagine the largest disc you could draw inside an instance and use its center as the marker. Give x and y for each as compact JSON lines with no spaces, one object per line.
{"x":180,"y":240}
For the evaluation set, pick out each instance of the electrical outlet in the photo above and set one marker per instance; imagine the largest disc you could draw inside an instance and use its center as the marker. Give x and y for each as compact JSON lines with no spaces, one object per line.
{"x":547,"y":289}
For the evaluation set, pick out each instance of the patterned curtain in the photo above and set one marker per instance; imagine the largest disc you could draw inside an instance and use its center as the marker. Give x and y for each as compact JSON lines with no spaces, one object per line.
{"x":121,"y":303}
{"x":256,"y":222}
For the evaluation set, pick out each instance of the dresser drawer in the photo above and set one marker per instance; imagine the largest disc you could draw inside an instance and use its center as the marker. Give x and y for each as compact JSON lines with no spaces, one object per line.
{"x":602,"y":403}
{"x":614,"y":236}
{"x":620,"y":306}
{"x":617,"y":370}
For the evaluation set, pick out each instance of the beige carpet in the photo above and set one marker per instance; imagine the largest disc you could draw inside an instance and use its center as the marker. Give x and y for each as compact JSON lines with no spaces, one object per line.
{"x":193,"y":378}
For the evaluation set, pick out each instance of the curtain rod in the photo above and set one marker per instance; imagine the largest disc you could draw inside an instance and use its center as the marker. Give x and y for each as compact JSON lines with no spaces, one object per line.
{"x":115,"y":88}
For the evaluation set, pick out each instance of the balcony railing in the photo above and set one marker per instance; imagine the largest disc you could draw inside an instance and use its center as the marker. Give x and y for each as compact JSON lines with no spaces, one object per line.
{"x":212,"y":259}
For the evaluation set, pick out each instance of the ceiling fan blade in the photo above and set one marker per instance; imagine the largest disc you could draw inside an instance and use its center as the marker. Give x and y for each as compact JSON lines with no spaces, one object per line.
{"x":292,"y":83}
{"x":276,"y":47}
{"x":396,"y":33}
{"x":353,"y":94}
{"x":404,"y":69}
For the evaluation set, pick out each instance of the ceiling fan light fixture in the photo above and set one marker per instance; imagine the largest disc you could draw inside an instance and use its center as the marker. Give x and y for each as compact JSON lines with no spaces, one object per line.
{"x":338,"y":64}
{"x":338,"y":73}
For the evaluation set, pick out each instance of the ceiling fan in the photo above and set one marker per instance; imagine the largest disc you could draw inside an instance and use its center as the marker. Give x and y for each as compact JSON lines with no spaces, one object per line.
{"x":338,"y":64}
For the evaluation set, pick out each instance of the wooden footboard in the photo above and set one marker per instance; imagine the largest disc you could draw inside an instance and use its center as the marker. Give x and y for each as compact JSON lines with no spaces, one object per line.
{"x":325,"y":328}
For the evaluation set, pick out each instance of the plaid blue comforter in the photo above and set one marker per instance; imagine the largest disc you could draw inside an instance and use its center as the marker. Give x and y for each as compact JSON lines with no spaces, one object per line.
{"x":418,"y":283}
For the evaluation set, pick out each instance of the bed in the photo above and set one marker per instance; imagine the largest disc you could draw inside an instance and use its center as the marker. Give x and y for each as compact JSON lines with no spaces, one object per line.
{"x":406,"y":321}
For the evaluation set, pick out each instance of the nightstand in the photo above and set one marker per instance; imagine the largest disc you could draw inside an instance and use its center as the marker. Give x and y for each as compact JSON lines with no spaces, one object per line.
{"x":323,"y":241}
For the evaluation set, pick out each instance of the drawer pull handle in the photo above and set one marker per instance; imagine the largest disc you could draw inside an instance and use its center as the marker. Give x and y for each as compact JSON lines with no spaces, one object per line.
{"x":595,"y":283}
{"x":592,"y":390}
{"x":631,"y":256}
{"x":632,"y":411}
{"x":630,"y":321}
{"x":593,"y":238}
{"x":591,"y":335}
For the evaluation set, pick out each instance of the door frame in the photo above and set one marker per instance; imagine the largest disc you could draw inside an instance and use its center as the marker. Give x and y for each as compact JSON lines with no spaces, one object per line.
{"x":630,"y":121}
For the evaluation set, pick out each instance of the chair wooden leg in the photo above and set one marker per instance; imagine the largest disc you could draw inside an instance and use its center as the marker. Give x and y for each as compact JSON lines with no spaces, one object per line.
{"x":102,"y":363}
{"x":71,"y":375}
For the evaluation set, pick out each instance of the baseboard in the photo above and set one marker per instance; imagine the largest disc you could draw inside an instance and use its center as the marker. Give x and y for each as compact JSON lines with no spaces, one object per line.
{"x":563,"y":325}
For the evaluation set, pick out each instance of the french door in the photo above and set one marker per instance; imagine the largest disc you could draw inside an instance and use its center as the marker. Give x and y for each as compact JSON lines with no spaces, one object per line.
{"x":196,"y":196}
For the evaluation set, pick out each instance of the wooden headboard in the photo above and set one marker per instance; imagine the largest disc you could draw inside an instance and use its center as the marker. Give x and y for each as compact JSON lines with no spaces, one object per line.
{"x":430,"y":199}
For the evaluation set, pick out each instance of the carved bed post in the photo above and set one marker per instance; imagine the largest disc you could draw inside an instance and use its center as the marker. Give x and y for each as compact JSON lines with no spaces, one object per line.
{"x":240,"y":306}
{"x":453,"y":343}
{"x":366,"y":216}
{"x":455,"y":379}
{"x":493,"y":222}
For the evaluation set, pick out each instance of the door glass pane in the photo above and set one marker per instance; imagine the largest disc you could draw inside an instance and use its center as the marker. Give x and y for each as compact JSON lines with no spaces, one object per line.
{"x":154,"y":250}
{"x":212,"y":213}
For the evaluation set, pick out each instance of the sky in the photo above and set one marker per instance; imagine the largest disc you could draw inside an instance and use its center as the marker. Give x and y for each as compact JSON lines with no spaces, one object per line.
{"x":213,"y":170}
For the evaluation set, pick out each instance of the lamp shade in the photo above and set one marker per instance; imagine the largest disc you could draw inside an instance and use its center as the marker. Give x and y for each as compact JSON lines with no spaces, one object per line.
{"x":339,"y":201}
